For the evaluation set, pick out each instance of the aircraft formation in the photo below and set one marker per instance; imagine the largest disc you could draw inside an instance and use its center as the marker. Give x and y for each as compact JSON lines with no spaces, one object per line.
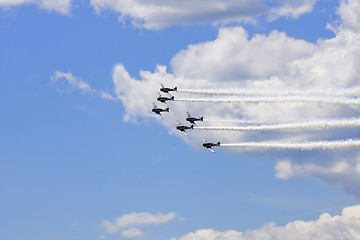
{"x":190,"y":119}
{"x":342,"y":96}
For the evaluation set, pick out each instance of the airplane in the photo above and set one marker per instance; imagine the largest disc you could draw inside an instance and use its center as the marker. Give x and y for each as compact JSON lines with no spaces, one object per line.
{"x":183,"y":128}
{"x":167,"y":90}
{"x":208,"y":145}
{"x":159,"y":110}
{"x":193,"y":119}
{"x":164,"y":99}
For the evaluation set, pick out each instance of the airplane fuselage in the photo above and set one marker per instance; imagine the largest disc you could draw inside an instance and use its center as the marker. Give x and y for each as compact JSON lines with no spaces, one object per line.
{"x":209,"y":145}
{"x":193,"y":119}
{"x":164,"y":99}
{"x":167,"y":90}
{"x":159,"y":110}
{"x":183,"y":128}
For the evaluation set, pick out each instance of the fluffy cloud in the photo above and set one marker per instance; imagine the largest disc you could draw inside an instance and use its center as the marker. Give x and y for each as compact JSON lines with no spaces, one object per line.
{"x":233,"y":61}
{"x":345,"y":226}
{"x":345,"y":171}
{"x":128,"y":224}
{"x":230,"y":61}
{"x":233,"y":56}
{"x":271,"y":62}
{"x":349,"y":11}
{"x":156,"y":14}
{"x":61,"y":6}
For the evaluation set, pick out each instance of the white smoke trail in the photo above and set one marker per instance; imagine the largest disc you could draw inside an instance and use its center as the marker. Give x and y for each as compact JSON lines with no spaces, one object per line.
{"x":349,"y":92}
{"x":282,"y":99}
{"x":354,"y":122}
{"x":343,"y":144}
{"x":243,"y":121}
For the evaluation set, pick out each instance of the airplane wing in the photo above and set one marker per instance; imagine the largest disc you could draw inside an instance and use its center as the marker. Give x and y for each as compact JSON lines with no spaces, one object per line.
{"x":211,"y":150}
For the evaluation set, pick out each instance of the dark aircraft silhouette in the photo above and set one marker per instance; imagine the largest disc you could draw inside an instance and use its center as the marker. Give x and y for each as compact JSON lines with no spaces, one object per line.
{"x":183,"y":128}
{"x":193,"y":119}
{"x":159,"y":110}
{"x":167,"y":90}
{"x":208,"y":145}
{"x":164,"y":99}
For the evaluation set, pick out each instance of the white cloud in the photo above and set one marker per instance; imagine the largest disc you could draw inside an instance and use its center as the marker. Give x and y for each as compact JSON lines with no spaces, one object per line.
{"x":136,"y":95}
{"x":66,"y":81}
{"x":233,"y":56}
{"x":345,"y":171}
{"x":128,"y":224}
{"x":157,"y":14}
{"x":61,"y":6}
{"x":349,"y":11}
{"x":132,"y":233}
{"x":74,"y":82}
{"x":106,"y":96}
{"x":327,"y":227}
{"x":136,"y":219}
{"x":233,"y":60}
{"x":274,"y":61}
{"x":290,"y":8}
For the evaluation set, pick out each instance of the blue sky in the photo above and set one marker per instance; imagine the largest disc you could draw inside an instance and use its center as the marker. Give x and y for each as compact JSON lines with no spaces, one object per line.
{"x":70,"y":161}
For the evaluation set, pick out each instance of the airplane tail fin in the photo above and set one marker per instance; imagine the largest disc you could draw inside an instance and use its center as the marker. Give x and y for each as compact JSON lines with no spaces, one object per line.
{"x":192,"y":126}
{"x":154,"y":105}
{"x":167,"y":109}
{"x":175,"y":88}
{"x":218,"y":144}
{"x":172,"y":98}
{"x":188,"y":114}
{"x":161,"y":85}
{"x":202,"y":119}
